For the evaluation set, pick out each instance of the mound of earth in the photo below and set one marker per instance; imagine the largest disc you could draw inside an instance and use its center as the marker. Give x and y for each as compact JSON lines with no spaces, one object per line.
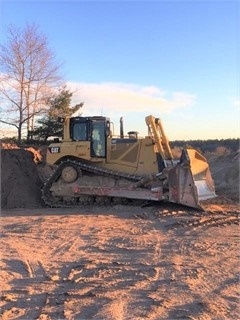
{"x":20,"y":183}
{"x":225,"y":172}
{"x":22,"y":177}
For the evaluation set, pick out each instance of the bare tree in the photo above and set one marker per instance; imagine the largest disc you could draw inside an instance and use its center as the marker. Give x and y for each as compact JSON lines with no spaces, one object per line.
{"x":28,"y":75}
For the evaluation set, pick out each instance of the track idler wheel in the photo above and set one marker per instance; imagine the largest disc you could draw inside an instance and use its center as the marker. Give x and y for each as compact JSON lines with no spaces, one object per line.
{"x":69,"y":174}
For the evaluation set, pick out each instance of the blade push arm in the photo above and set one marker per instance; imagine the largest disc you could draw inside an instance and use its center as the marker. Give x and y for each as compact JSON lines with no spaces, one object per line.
{"x":155,"y":130}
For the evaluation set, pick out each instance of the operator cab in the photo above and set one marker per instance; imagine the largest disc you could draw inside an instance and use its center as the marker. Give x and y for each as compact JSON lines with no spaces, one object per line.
{"x":92,"y":129}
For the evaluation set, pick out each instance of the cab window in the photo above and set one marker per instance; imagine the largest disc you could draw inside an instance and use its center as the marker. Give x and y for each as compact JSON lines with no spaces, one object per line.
{"x":79,"y":131}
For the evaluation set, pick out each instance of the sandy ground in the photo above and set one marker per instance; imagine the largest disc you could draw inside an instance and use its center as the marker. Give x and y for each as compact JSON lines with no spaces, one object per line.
{"x":120,"y":263}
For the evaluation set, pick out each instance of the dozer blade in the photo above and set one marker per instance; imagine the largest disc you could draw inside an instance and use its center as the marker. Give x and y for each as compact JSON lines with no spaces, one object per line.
{"x":190,"y":181}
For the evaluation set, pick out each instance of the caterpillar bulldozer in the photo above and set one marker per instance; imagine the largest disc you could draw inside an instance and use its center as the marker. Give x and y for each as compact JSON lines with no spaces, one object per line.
{"x":94,"y":165}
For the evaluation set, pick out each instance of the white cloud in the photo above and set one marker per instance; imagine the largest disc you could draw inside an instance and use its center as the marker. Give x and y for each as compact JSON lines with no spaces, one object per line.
{"x":7,"y":131}
{"x":236,"y":102}
{"x":120,"y":97}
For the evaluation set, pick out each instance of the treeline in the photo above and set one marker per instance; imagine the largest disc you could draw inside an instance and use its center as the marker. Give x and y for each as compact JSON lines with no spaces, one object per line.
{"x":210,"y":145}
{"x":232,"y":145}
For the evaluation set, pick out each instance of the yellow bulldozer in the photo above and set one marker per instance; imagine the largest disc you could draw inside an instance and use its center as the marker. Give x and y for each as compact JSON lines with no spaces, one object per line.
{"x":94,"y":165}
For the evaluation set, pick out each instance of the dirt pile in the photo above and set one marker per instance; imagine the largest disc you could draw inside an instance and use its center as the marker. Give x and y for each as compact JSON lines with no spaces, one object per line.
{"x":225,"y":172}
{"x":39,"y":154}
{"x":20,"y":183}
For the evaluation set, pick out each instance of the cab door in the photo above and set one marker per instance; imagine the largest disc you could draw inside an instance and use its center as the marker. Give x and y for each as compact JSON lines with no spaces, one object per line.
{"x":98,"y":139}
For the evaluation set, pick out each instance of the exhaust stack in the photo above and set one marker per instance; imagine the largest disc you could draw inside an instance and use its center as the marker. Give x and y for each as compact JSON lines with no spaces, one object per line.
{"x":121,"y":128}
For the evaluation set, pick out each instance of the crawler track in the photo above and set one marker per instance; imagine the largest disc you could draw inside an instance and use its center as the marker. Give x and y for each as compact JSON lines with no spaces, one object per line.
{"x":82,"y":168}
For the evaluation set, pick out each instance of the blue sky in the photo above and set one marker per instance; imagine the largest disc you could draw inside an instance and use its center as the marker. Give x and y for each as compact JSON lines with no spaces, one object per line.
{"x":177,"y":60}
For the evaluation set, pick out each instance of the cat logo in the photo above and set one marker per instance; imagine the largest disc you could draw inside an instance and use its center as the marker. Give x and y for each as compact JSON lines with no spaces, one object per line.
{"x":54,"y":150}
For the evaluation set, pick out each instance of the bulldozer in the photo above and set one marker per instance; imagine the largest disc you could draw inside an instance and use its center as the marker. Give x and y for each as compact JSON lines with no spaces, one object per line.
{"x":93,"y":165}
